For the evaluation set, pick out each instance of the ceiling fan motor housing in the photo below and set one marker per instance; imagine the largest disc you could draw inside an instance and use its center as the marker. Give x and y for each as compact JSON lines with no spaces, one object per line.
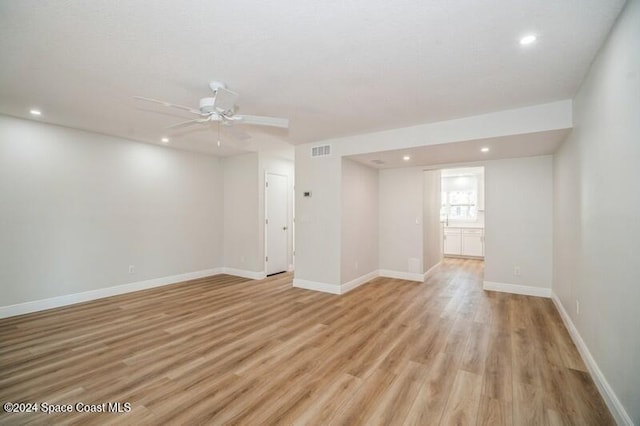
{"x":215,"y":85}
{"x":207,"y":105}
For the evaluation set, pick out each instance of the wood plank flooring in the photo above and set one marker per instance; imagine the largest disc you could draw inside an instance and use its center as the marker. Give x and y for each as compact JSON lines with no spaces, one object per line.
{"x":225,"y":350}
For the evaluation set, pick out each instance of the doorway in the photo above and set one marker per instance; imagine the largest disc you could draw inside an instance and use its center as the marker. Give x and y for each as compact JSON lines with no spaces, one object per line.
{"x":276,"y":223}
{"x":462,"y":212}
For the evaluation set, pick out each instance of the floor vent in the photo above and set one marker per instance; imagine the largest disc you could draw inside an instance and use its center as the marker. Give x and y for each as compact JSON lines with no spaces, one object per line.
{"x":321,"y":151}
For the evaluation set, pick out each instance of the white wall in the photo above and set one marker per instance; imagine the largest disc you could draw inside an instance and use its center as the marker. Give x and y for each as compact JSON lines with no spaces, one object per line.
{"x":401,"y":234}
{"x":244,"y":213}
{"x":318,"y":218}
{"x":597,"y":236}
{"x":518,"y":223}
{"x":432,"y":228}
{"x":77,"y":208}
{"x":359,"y":220}
{"x":519,"y":203}
{"x":242,"y":249}
{"x":481,"y":210}
{"x":281,"y":166}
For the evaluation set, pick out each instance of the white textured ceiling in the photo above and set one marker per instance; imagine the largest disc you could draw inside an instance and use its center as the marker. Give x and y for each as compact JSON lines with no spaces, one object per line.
{"x":334,"y":68}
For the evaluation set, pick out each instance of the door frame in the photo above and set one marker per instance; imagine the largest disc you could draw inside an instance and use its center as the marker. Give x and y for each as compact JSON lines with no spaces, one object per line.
{"x":266,"y":233}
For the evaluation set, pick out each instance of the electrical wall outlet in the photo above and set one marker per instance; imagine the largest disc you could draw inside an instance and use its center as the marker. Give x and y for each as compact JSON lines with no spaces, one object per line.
{"x":516,"y":271}
{"x":132,"y":269}
{"x":577,"y":307}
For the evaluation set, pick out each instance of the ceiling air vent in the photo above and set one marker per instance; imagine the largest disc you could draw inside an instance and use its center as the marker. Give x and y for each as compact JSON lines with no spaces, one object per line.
{"x":377,"y":162}
{"x":321,"y":151}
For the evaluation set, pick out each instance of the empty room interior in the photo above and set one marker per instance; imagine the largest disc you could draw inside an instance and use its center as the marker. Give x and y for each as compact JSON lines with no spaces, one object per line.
{"x":358,"y":212}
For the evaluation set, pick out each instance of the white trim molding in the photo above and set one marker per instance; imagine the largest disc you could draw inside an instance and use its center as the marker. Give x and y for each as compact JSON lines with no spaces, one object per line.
{"x":611,"y":399}
{"x":517,"y":289}
{"x":317,"y":286}
{"x":430,"y":270}
{"x":252,"y":275}
{"x":358,"y":281}
{"x":71,"y":299}
{"x":409,"y":276}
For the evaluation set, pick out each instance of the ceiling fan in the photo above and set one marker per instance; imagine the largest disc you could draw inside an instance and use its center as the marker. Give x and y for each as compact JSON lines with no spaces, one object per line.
{"x":220,"y":108}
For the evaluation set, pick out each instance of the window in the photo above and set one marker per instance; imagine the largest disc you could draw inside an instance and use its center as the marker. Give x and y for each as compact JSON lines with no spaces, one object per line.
{"x":459,"y":198}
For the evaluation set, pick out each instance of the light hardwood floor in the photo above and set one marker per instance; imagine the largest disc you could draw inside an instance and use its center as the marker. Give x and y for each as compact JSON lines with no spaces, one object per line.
{"x":226,"y":350}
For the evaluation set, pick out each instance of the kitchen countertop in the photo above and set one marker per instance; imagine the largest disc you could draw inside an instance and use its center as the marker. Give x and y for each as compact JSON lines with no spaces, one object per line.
{"x":470,"y":226}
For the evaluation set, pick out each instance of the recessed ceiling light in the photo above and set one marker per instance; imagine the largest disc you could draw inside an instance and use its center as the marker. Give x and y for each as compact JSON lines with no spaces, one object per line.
{"x":165,"y":140}
{"x":485,"y":149}
{"x":528,"y":39}
{"x":35,"y":112}
{"x":406,"y":158}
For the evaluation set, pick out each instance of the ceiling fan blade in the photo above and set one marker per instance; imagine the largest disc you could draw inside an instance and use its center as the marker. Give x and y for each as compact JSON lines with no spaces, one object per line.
{"x":168,"y":104}
{"x":225,"y":100}
{"x":262,"y":121}
{"x":189,"y":123}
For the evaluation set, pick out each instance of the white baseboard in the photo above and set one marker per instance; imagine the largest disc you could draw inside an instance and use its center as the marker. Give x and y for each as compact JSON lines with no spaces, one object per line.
{"x":409,"y":276}
{"x":358,"y":281}
{"x":70,"y":299}
{"x":346,"y":287}
{"x":463,"y":256}
{"x":517,"y":289}
{"x":609,"y":396}
{"x":252,"y":275}
{"x":317,"y":286}
{"x":430,"y":270}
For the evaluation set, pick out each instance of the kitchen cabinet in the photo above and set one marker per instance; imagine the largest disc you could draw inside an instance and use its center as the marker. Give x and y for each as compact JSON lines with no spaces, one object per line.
{"x":472,"y":242}
{"x":452,"y":243}
{"x":465,"y":242}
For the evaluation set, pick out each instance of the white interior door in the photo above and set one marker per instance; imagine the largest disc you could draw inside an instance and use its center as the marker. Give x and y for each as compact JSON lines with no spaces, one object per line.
{"x":276,"y":223}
